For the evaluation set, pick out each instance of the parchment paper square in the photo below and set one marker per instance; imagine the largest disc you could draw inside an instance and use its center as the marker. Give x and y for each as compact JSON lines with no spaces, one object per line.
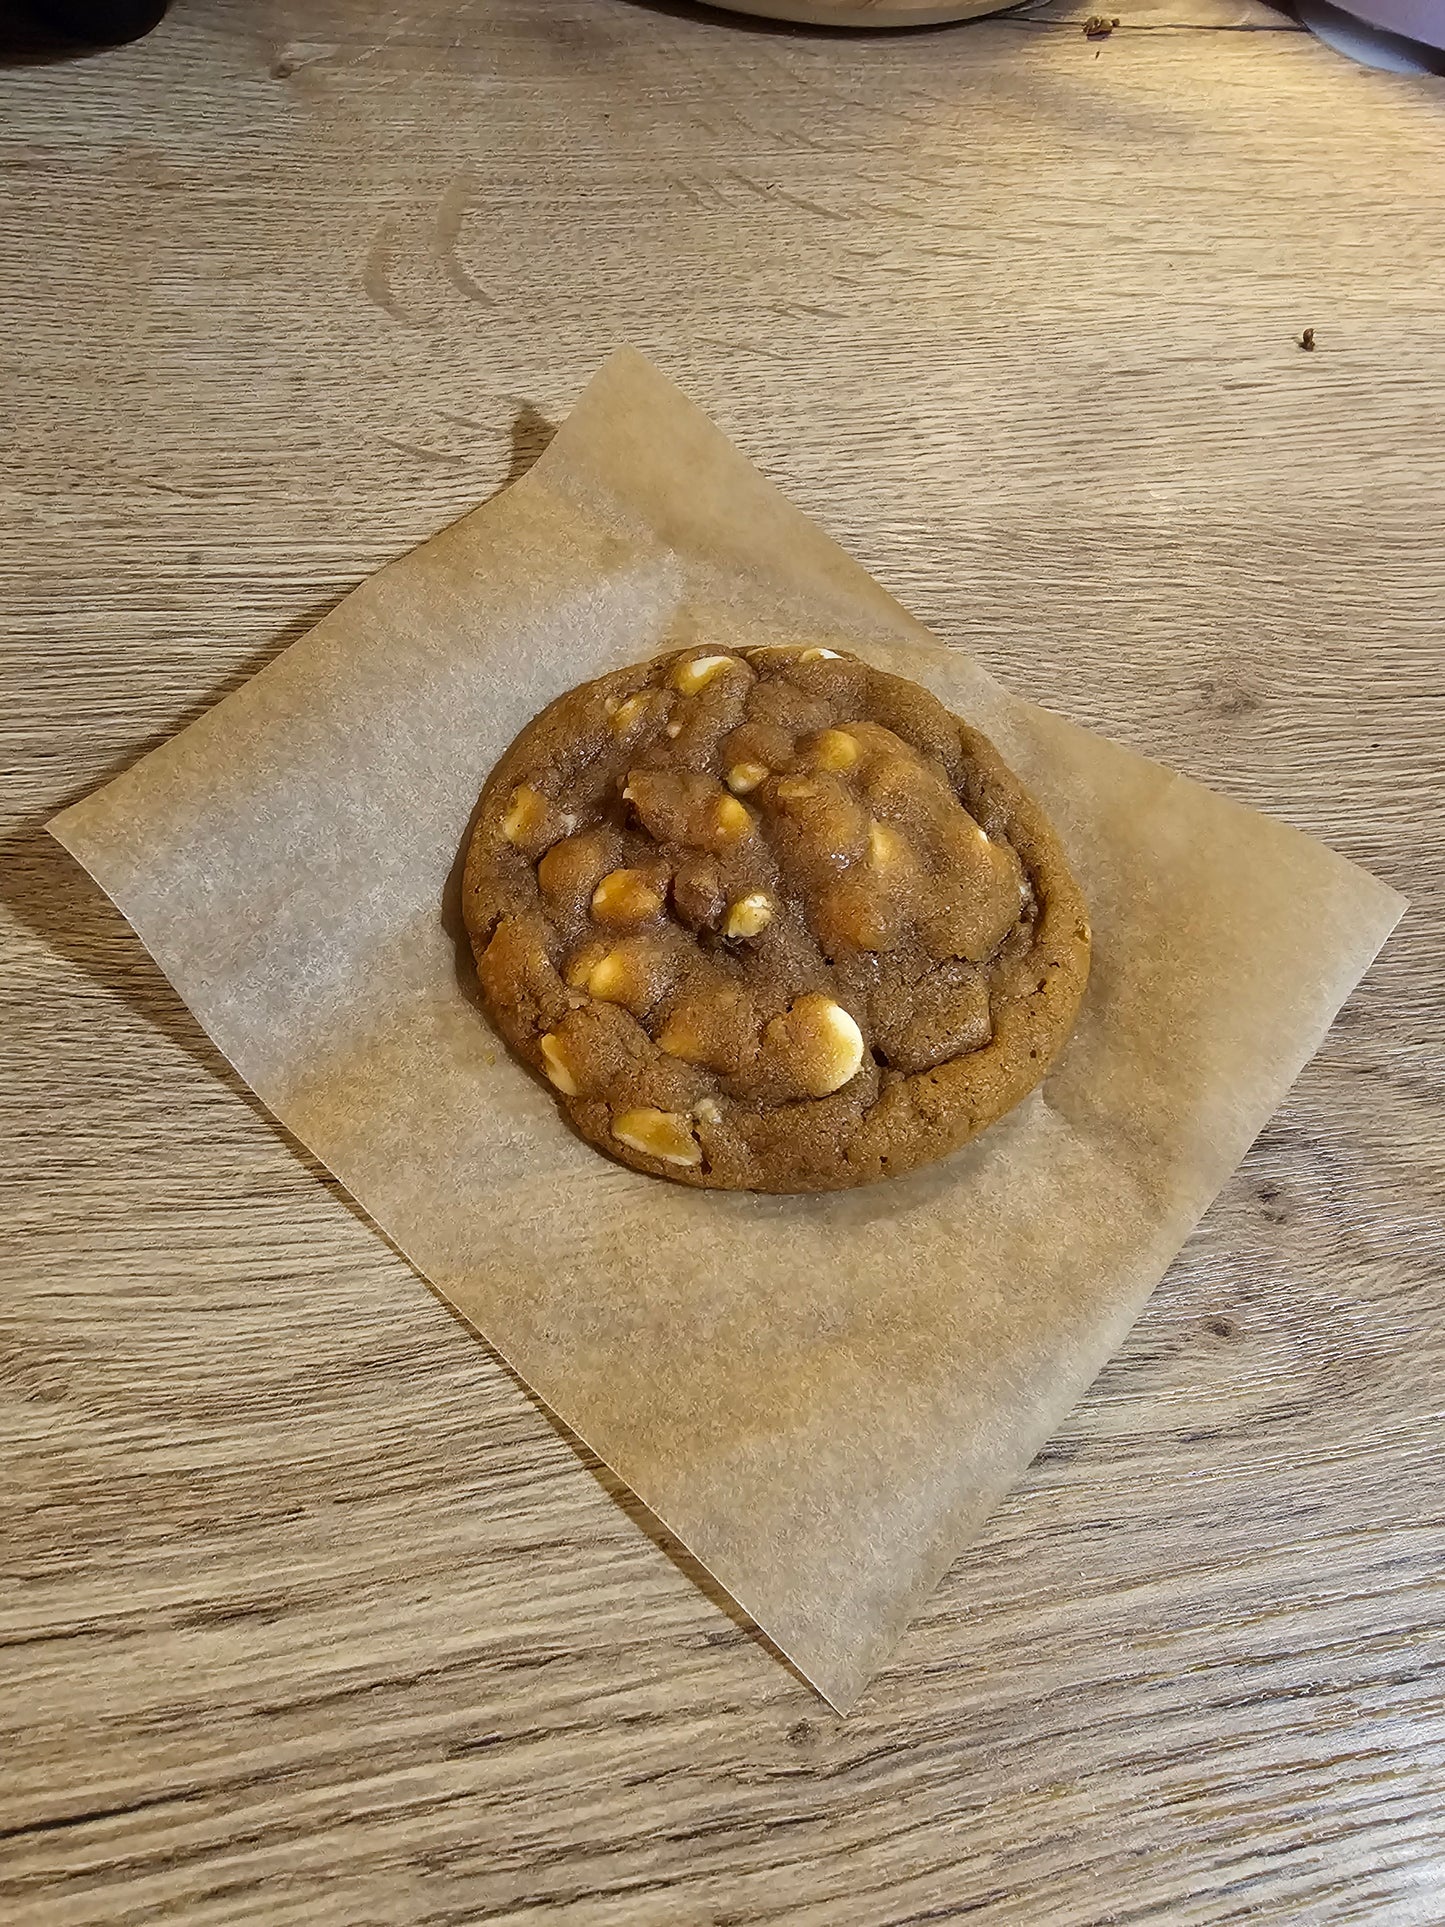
{"x":822,"y":1397}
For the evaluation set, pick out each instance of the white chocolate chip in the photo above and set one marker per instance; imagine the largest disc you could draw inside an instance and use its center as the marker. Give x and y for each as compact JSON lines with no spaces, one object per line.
{"x":674,"y":728}
{"x":845,"y":1047}
{"x":559,"y":1071}
{"x":748,"y":915}
{"x":625,"y":714}
{"x":625,"y":896}
{"x":580,"y":967}
{"x":657,"y":1134}
{"x":743,"y":777}
{"x":524,"y":814}
{"x":822,"y":1042}
{"x":835,"y":749}
{"x":698,"y":671}
{"x":707,"y":1110}
{"x":819,"y":655}
{"x":632,"y":973}
{"x":608,"y":978}
{"x":885,"y":846}
{"x":731,"y":818}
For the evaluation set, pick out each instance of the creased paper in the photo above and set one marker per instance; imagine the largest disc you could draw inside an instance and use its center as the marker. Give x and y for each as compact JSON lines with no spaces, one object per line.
{"x":822,"y":1397}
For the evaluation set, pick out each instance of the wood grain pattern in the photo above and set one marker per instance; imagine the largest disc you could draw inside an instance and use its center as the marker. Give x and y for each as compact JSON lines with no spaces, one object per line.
{"x":310,"y":1615}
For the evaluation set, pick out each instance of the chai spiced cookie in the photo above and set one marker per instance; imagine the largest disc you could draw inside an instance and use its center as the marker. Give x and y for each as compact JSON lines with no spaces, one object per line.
{"x":771,"y":919}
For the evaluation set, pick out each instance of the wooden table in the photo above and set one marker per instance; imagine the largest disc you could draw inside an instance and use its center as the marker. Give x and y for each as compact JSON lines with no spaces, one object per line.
{"x":313,"y":1615}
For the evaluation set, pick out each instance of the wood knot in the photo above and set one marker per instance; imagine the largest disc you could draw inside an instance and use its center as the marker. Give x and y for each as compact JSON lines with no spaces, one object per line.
{"x":1271,"y":1197}
{"x":1222,"y":698}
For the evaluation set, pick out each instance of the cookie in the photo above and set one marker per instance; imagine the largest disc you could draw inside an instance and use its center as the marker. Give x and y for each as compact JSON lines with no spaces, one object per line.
{"x":771,"y":920}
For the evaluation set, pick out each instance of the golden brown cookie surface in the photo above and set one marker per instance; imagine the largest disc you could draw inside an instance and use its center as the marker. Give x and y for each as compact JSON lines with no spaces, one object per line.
{"x":771,"y":920}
